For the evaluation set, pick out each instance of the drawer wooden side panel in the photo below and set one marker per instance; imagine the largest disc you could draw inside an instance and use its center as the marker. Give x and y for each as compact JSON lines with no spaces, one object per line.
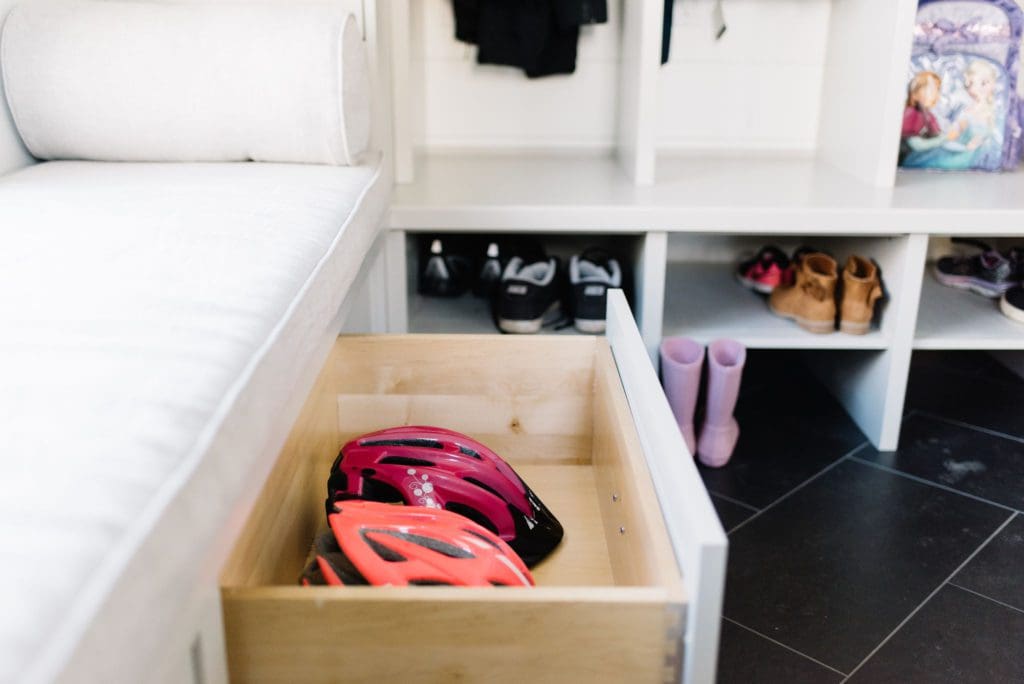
{"x":276,"y":537}
{"x":638,"y":543}
{"x":537,"y":636}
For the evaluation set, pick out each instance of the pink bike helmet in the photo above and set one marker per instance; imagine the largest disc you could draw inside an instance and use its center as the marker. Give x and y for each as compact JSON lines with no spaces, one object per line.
{"x":377,"y":543}
{"x":438,"y":468}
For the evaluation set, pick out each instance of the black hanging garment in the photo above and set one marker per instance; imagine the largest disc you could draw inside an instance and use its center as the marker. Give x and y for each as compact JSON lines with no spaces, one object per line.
{"x":538,"y":36}
{"x":666,"y":30}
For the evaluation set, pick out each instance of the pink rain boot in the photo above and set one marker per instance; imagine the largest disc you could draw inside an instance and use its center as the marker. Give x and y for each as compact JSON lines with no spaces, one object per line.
{"x":681,"y":361}
{"x":720,"y":431}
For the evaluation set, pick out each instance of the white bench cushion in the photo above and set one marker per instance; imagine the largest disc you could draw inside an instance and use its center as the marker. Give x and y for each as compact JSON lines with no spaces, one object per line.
{"x":145,"y":309}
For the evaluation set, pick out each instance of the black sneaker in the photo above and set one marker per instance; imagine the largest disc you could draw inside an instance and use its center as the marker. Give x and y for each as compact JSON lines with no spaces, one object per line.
{"x":1012,"y":304}
{"x":489,"y":277}
{"x":988,"y":273}
{"x":590,"y":275}
{"x":444,"y":274}
{"x":528,"y":293}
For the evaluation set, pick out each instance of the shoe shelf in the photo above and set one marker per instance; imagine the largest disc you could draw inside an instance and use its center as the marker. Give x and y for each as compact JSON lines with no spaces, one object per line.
{"x":949,"y":318}
{"x":471,"y":314}
{"x":704,"y":301}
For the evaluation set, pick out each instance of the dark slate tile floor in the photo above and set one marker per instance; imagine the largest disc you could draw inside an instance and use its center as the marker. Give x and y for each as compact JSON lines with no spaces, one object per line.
{"x":817,"y":433}
{"x":998,"y":570}
{"x":956,"y":637}
{"x":847,"y":564}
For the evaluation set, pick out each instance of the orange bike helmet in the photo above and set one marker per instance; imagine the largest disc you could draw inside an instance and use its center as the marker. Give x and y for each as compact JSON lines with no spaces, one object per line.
{"x":377,"y":543}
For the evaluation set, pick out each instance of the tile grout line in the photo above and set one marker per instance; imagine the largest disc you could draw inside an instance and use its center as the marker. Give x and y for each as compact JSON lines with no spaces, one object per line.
{"x":969,"y":426}
{"x":731,"y":500}
{"x":812,"y":478}
{"x":987,"y":598}
{"x":930,"y":596}
{"x":788,"y":648}
{"x":932,"y":483}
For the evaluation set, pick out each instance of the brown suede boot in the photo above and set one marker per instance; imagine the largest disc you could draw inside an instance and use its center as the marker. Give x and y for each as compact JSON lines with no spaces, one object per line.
{"x":811,"y":301}
{"x":861,"y":289}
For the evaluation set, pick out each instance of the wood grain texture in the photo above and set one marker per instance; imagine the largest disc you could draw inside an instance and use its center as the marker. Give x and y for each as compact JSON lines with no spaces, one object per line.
{"x":466,"y":364}
{"x":529,"y":399}
{"x":571,"y":494}
{"x":638,"y":544}
{"x":524,"y":428}
{"x":276,"y":536}
{"x":380,"y":634}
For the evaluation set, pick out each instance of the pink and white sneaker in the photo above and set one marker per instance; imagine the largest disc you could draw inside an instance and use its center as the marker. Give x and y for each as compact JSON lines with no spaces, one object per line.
{"x":765,"y":271}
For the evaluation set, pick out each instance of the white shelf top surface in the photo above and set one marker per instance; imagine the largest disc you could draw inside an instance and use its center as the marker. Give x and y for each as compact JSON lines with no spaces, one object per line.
{"x":704,"y":301}
{"x":949,"y":318}
{"x":781,"y":195}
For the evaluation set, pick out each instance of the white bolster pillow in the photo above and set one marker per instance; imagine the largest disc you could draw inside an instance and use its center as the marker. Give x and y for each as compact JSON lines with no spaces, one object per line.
{"x":110,"y":80}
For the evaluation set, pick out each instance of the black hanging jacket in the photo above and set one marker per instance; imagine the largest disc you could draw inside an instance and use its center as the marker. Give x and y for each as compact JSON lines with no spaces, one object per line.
{"x":538,"y":36}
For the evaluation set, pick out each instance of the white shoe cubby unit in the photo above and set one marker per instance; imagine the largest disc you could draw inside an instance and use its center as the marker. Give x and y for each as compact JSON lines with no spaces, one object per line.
{"x":468,"y":313}
{"x":783,"y":131}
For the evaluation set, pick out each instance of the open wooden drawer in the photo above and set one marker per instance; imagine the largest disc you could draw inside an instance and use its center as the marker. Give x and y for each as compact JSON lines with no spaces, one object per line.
{"x":633,"y":592}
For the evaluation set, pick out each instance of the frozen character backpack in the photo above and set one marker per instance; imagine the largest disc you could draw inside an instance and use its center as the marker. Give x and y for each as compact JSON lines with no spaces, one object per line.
{"x":963,"y":110}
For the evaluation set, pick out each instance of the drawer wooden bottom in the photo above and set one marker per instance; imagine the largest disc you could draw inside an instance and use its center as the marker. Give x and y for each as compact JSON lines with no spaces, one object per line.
{"x":609,"y":604}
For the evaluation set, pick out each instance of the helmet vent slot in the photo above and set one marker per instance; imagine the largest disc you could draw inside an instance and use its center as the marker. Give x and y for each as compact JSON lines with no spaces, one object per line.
{"x":384,"y":552}
{"x":375,"y":490}
{"x":444,"y":548}
{"x":405,"y":460}
{"x":471,"y":513}
{"x":427,"y":443}
{"x":481,"y":537}
{"x":481,"y":485}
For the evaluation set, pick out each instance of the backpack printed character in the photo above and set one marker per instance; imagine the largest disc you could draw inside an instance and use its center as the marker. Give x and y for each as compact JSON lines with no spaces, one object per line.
{"x":955,"y":115}
{"x":975,"y":128}
{"x":919,"y":123}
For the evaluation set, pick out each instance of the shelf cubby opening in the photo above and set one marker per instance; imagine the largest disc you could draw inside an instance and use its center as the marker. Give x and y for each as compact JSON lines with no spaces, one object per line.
{"x":952,"y":318}
{"x":468,"y":313}
{"x":704,"y":300}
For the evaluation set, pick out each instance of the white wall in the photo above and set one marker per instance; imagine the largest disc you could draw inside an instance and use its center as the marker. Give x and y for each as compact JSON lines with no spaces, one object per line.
{"x":758,"y":87}
{"x":12,"y":152}
{"x":459,"y":104}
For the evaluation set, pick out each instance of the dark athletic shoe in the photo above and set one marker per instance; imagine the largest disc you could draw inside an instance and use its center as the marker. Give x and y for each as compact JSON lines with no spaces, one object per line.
{"x":444,"y":274}
{"x":528,"y":292}
{"x":1012,"y":304}
{"x":590,"y":275}
{"x":987,"y":273}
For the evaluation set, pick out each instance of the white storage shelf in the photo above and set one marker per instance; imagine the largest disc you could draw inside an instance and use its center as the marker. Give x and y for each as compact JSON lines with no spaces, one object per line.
{"x":774,"y":194}
{"x":949,"y":318}
{"x":704,"y":301}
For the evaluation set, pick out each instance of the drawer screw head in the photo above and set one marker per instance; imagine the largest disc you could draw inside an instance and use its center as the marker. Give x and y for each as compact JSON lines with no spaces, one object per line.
{"x":622,"y":530}
{"x":615,"y":497}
